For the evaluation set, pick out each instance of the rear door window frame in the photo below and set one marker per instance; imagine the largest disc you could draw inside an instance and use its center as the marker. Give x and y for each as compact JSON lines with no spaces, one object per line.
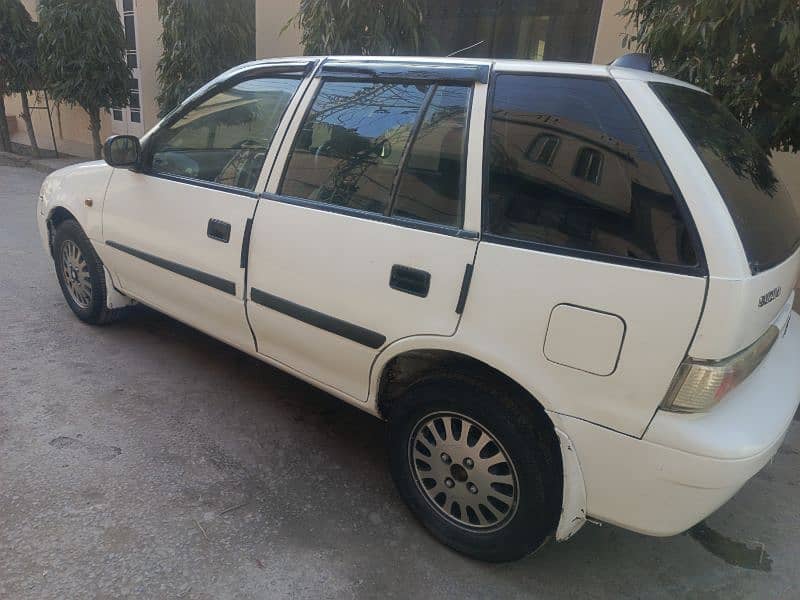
{"x":423,"y":73}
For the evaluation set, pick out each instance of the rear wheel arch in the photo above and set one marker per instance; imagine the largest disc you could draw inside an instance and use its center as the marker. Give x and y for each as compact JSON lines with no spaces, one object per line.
{"x":409,"y":367}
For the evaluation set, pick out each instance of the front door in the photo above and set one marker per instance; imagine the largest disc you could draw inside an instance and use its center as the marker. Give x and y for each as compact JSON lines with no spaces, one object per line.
{"x":174,"y":232}
{"x":362,"y":240}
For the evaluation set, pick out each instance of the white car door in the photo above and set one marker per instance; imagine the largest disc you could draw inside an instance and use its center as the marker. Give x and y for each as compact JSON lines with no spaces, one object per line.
{"x":364,"y":236}
{"x":174,"y":230}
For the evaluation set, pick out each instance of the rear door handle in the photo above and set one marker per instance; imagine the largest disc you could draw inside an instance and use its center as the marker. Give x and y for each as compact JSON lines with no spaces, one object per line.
{"x":219,"y":230}
{"x":409,"y":280}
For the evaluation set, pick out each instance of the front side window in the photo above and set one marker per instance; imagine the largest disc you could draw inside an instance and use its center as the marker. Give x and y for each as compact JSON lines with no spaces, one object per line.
{"x":226,"y":137}
{"x":767,"y":219}
{"x":393,"y":149}
{"x":570,"y":167}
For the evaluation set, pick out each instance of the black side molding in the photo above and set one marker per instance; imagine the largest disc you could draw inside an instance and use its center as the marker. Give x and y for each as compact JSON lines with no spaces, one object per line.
{"x":223,"y":285}
{"x":462,"y":297}
{"x":360,"y":335}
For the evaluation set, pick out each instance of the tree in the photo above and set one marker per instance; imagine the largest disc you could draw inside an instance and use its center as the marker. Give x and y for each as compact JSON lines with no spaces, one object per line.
{"x":18,"y":67}
{"x":200,"y":41}
{"x":745,"y":52}
{"x":5,"y":135}
{"x":82,"y":57}
{"x":363,"y":27}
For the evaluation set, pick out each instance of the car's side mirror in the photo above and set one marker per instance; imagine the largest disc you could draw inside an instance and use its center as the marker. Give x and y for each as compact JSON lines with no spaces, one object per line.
{"x":122,"y":151}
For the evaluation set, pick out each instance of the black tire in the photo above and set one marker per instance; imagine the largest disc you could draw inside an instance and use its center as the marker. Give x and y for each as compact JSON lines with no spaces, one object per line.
{"x":93,"y":310}
{"x":525,"y":435}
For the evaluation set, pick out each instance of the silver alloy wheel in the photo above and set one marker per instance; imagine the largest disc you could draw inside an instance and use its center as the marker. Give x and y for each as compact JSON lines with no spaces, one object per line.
{"x":75,"y":272}
{"x":463,"y":471}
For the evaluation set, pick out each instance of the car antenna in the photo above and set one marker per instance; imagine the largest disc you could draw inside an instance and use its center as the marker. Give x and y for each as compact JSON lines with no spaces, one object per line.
{"x":467,"y":48}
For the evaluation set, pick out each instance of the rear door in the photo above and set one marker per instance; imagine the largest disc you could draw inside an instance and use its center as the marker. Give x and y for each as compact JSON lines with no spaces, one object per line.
{"x":363,"y":237}
{"x":174,"y":231}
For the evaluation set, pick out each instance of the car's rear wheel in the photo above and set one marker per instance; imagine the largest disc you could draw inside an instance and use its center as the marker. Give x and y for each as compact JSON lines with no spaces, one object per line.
{"x":479,"y":466}
{"x":81,"y":275}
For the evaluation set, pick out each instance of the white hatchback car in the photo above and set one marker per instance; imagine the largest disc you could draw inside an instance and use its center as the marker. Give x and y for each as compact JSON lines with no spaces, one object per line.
{"x":567,"y":288}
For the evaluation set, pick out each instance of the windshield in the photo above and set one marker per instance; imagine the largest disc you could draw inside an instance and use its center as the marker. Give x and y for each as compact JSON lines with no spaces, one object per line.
{"x":767,"y":219}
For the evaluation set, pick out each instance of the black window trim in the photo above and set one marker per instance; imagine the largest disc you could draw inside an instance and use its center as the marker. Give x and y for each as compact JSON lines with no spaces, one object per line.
{"x":451,"y":230}
{"x":211,"y":185}
{"x":698,"y":270}
{"x":412,"y":139}
{"x":298,"y":71}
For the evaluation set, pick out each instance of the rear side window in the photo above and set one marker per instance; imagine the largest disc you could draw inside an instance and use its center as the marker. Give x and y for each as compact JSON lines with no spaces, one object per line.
{"x":226,"y":137}
{"x":571,"y":168}
{"x":767,"y":219}
{"x":393,"y":149}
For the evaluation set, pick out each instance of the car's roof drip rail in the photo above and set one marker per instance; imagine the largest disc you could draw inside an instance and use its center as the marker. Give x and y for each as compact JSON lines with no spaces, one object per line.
{"x":393,"y":71}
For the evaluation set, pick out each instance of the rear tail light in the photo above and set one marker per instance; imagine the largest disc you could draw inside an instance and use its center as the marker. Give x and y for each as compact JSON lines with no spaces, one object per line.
{"x":700,"y":384}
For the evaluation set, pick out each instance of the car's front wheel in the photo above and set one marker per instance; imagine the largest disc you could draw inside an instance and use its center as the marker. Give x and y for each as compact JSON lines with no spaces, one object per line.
{"x":479,"y":466}
{"x":81,"y":275}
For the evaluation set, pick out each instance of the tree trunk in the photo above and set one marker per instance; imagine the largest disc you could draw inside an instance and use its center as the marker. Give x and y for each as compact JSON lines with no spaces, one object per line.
{"x":5,"y":136}
{"x":94,"y":126}
{"x":26,"y":116}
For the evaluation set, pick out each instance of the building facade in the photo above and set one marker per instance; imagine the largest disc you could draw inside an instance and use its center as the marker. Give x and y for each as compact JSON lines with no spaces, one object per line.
{"x":571,"y":30}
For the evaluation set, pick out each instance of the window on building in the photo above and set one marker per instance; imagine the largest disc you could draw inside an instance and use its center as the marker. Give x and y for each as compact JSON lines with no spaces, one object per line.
{"x":226,"y":137}
{"x":588,"y":165}
{"x":543,"y":149}
{"x":562,"y":30}
{"x":603,"y":191}
{"x":134,"y":106}
{"x":393,"y":149}
{"x":129,"y":119}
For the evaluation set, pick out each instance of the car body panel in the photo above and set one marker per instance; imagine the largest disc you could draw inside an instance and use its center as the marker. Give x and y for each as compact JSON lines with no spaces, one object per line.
{"x":79,"y":189}
{"x":168,"y":221}
{"x":687,"y":465}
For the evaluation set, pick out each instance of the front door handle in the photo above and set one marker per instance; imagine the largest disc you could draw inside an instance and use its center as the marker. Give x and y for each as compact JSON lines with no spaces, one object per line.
{"x":219,"y":230}
{"x":409,"y":280}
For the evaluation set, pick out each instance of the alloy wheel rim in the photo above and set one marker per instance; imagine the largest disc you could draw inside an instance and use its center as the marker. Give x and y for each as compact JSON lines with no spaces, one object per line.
{"x":75,"y":272}
{"x":463,"y":471}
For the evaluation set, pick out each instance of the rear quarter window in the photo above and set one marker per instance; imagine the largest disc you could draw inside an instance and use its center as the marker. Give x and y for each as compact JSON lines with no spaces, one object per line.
{"x":766,"y":218}
{"x":572,"y":170}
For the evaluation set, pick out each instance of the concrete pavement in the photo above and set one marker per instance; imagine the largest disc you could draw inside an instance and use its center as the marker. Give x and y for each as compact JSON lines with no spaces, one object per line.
{"x":147,"y":460}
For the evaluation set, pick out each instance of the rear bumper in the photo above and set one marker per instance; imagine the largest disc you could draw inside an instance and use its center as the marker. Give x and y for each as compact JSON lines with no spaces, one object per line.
{"x":687,"y":466}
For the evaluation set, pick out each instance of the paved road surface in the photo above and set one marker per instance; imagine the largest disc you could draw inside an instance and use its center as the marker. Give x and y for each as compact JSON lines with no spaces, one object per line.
{"x":145,"y":459}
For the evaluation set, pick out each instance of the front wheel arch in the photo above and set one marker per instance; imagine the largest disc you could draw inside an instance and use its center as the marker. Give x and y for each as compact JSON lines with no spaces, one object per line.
{"x":57,"y":215}
{"x":95,"y":309}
